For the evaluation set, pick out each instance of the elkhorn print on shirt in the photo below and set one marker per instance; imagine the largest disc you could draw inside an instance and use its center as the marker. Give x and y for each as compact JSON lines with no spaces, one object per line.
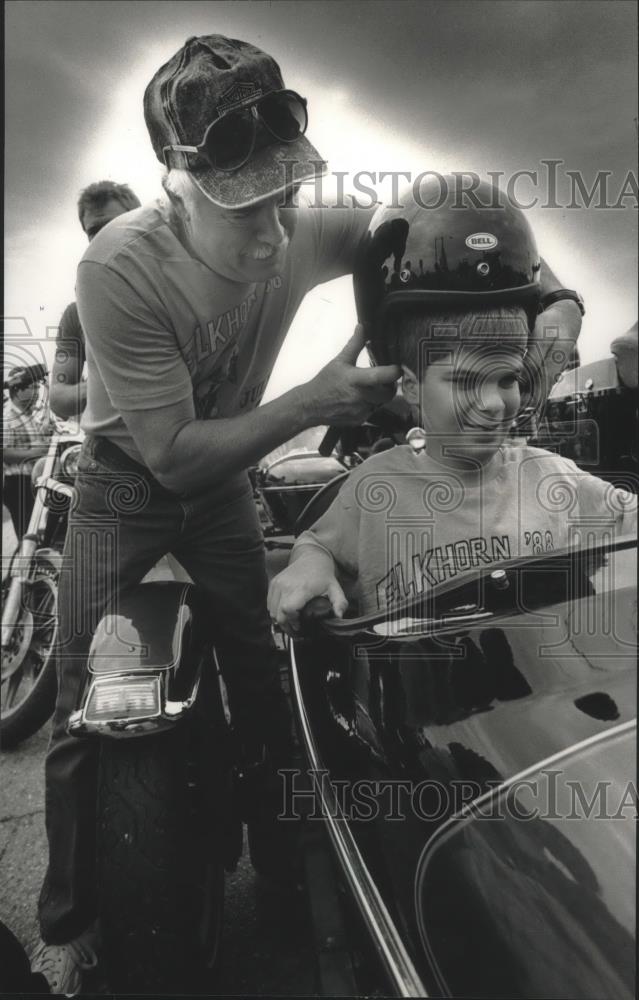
{"x":219,"y":350}
{"x":441,"y":563}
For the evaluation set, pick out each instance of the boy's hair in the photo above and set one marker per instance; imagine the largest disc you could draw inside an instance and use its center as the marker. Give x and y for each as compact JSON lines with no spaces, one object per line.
{"x":417,"y":337}
{"x":96,"y":196}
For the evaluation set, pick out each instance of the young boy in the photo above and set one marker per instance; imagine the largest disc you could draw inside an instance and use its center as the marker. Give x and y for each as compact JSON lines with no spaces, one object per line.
{"x":410,"y":518}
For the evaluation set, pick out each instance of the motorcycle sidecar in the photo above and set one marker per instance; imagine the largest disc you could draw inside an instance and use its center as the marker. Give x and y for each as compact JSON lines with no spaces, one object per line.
{"x":472,"y":759}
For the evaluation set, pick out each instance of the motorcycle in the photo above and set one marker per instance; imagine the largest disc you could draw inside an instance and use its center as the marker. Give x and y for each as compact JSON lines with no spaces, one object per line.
{"x":174,"y":790}
{"x":284,"y":487}
{"x":29,"y":595}
{"x":169,"y":820}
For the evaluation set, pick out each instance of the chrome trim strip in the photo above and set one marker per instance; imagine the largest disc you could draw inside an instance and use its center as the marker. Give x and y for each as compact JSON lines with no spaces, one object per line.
{"x":389,"y":943}
{"x":392,"y":629}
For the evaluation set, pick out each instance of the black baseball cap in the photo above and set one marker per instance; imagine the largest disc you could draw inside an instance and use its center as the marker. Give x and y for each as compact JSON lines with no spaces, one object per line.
{"x":209,"y":74}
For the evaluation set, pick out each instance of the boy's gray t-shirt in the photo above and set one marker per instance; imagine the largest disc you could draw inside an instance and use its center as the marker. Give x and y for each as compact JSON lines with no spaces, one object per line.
{"x":402,"y":524}
{"x":161,"y":327}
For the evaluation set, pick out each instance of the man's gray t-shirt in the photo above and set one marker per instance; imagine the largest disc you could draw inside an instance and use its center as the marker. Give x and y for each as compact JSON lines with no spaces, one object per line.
{"x":160,"y":326}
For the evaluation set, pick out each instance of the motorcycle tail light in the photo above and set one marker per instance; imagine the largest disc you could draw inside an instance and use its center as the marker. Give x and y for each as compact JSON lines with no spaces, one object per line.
{"x":123,"y":698}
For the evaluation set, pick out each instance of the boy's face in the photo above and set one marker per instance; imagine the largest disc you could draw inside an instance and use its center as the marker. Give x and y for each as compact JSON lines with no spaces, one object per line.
{"x":468,"y":399}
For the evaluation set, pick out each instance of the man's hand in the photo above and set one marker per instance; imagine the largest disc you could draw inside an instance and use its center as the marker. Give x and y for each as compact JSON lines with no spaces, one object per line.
{"x":188,"y":455}
{"x":343,"y":394}
{"x":551,"y":343}
{"x":310,"y":575}
{"x":624,"y":349}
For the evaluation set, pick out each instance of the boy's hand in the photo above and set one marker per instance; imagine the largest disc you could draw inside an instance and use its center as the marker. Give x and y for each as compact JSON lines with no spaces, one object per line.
{"x":345,"y":395}
{"x":294,"y":587}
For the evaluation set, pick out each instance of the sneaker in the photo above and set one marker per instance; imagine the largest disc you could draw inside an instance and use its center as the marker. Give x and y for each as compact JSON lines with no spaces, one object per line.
{"x":64,"y":965}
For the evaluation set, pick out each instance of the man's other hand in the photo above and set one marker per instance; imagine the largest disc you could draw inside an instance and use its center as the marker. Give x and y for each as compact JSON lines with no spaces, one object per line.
{"x":624,"y":349}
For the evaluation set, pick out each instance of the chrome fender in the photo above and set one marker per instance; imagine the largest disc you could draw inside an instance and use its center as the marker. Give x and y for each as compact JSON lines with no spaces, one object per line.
{"x":144,"y":662}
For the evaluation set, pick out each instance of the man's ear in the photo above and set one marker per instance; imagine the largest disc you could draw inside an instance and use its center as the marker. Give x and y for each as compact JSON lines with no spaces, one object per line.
{"x":410,"y":386}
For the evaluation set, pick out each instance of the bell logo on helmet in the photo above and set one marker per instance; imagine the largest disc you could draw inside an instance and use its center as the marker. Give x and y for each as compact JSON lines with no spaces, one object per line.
{"x":481,"y":241}
{"x":418,"y":255}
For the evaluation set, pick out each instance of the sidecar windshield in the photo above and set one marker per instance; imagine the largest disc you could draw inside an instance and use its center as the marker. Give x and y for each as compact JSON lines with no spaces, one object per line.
{"x":515,"y":586}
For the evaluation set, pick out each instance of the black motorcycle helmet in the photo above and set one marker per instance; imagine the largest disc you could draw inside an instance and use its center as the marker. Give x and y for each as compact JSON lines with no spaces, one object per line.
{"x":445,"y":247}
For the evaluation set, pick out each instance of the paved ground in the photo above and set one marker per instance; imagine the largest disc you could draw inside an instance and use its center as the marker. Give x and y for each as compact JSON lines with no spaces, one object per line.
{"x":22,"y":837}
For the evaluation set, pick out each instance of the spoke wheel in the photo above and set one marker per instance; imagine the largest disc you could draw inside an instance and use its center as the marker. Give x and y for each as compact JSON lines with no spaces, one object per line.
{"x":28,"y":664}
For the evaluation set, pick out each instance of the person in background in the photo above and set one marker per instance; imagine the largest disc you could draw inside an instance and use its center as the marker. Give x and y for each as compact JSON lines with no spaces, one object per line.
{"x":98,"y":204}
{"x":27,"y":427}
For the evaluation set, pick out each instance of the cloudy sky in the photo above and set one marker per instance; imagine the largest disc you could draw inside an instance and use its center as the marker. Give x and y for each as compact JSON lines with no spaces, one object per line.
{"x":487,"y":85}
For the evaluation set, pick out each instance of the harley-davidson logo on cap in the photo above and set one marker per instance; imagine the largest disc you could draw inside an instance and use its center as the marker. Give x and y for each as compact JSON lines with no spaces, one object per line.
{"x":238,"y":94}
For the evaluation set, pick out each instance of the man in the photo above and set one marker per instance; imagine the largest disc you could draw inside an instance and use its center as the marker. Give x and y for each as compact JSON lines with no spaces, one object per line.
{"x":98,"y":204}
{"x":26,"y":430}
{"x":185,"y":307}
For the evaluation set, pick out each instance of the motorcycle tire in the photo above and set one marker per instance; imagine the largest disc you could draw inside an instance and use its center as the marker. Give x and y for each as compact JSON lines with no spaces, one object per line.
{"x":160,"y":867}
{"x":29,"y":689}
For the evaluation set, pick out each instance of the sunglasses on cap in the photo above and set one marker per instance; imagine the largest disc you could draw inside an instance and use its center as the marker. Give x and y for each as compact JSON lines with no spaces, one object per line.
{"x":229,"y":141}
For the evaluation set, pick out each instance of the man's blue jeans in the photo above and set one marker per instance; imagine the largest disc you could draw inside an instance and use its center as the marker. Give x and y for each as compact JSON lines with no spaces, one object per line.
{"x":123,"y":522}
